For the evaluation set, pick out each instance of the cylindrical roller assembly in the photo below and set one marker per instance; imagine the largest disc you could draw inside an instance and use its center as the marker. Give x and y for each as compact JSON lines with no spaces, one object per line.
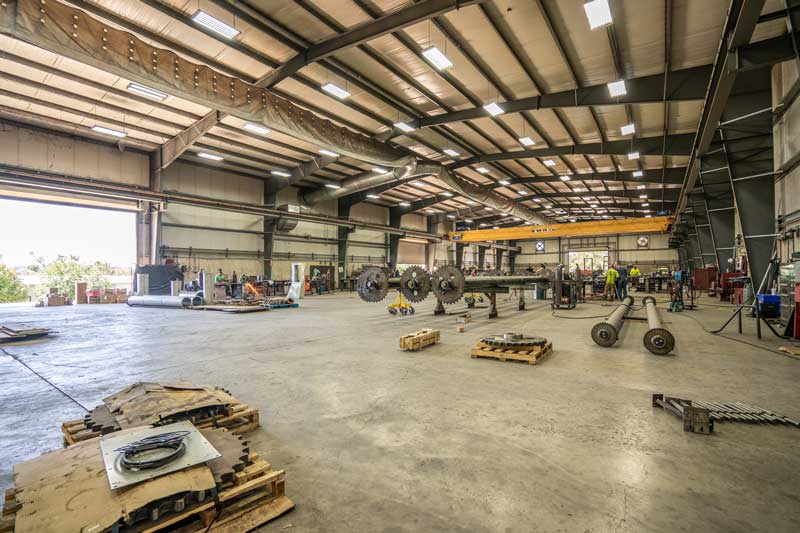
{"x":657,"y":339}
{"x":164,"y":301}
{"x":606,"y":333}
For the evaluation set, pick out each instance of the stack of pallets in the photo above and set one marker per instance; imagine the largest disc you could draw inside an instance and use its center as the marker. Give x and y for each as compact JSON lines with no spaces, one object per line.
{"x":144,"y":404}
{"x":513,"y":347}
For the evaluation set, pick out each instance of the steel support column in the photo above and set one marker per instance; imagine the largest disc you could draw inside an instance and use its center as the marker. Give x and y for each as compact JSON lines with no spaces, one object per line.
{"x":271,"y":188}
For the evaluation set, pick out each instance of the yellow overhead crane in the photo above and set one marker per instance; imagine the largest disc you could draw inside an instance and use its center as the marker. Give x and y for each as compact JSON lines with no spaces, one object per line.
{"x":574,"y":229}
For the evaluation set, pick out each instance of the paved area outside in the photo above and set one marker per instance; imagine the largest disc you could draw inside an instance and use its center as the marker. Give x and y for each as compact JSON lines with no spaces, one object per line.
{"x":376,"y":439}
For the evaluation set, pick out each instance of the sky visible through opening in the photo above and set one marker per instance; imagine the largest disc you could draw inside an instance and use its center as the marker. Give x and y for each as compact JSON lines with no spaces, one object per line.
{"x":50,"y":230}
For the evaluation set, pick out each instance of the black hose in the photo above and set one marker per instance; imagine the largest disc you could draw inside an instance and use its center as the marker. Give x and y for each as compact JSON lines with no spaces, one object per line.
{"x":174,"y":441}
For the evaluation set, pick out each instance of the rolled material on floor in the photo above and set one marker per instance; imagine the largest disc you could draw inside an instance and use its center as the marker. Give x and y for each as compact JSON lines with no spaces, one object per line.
{"x":196,"y":296}
{"x":606,"y":333}
{"x":163,"y":301}
{"x":658,"y":339}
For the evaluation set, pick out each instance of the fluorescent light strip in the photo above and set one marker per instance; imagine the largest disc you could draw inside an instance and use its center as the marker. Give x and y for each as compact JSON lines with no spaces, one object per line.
{"x":215,"y":25}
{"x":549,"y":163}
{"x":504,"y":182}
{"x":405,"y":204}
{"x":147,"y":92}
{"x":256,"y":128}
{"x":333,"y":186}
{"x":447,"y":193}
{"x":641,"y":186}
{"x":323,"y":151}
{"x":437,"y":58}
{"x":638,"y":174}
{"x":526,"y":141}
{"x":373,"y":196}
{"x":280,"y":173}
{"x":450,"y":152}
{"x":402,"y":126}
{"x":633,"y":156}
{"x":598,"y":13}
{"x":109,"y":131}
{"x":494,"y":109}
{"x":564,"y":178}
{"x":482,"y":170}
{"x":335,"y":90}
{"x":213,"y":157}
{"x":628,"y":129}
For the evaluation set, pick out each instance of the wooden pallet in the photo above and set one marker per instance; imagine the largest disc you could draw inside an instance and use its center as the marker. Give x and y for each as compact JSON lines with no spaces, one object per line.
{"x":239,"y":418}
{"x":420,"y":339}
{"x":254,"y":497}
{"x":506,"y":354}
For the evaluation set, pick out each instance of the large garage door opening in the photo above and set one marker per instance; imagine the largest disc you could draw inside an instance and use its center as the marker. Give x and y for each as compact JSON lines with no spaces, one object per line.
{"x":46,"y":245}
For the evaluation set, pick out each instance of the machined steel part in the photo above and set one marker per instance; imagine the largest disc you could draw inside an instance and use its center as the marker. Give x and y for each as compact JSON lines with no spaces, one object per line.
{"x":415,"y":284}
{"x":164,"y":301}
{"x":658,"y":339}
{"x":513,"y":340}
{"x":373,"y":284}
{"x":448,"y":284}
{"x":696,"y":419}
{"x":606,"y":333}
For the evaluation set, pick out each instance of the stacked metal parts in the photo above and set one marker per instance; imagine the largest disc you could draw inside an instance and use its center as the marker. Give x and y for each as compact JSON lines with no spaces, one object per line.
{"x":700,"y":416}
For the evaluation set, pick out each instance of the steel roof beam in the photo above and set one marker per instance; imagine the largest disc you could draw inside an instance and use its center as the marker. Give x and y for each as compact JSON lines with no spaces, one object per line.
{"x":670,"y":176}
{"x":679,"y":144}
{"x":395,"y":21}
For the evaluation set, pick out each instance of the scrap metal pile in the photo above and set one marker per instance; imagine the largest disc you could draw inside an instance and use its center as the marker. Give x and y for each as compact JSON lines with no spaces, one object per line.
{"x":447,"y":283}
{"x":158,"y":404}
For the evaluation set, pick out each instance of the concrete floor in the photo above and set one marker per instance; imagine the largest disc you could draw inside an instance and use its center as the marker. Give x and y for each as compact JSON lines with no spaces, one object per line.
{"x":376,"y":439}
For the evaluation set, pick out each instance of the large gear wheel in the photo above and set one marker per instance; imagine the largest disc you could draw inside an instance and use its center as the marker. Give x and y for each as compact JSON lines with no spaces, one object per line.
{"x":659,"y":341}
{"x":604,"y":334}
{"x":448,"y":284}
{"x":415,"y":284}
{"x":372,"y":284}
{"x":518,"y":341}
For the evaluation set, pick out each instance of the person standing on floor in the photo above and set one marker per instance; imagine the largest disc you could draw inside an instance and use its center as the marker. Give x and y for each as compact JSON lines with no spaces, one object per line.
{"x":610,"y":290}
{"x":622,"y":282}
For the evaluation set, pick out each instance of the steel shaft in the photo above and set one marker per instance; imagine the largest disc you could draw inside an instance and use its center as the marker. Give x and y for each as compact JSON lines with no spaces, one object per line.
{"x":658,"y":339}
{"x":164,"y":301}
{"x":606,"y":333}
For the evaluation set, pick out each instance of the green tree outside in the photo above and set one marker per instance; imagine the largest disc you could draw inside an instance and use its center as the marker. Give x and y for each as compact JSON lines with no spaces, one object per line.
{"x":64,"y":271}
{"x":11,"y":287}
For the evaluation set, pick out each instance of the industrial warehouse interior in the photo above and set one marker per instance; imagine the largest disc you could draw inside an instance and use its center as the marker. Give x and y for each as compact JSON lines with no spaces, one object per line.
{"x":399,"y":265}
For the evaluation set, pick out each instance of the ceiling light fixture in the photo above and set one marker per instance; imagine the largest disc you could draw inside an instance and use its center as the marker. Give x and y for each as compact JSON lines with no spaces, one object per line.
{"x":494,"y":109}
{"x":405,"y":204}
{"x":402,"y":126}
{"x":437,"y":58}
{"x":526,"y":141}
{"x":496,"y":227}
{"x":638,"y":174}
{"x":549,"y":163}
{"x":256,"y":128}
{"x":280,"y":173}
{"x":564,"y":178}
{"x":598,"y":13}
{"x":482,"y":224}
{"x":373,"y":196}
{"x":504,"y":182}
{"x":333,"y":186}
{"x":643,"y":196}
{"x":109,"y":131}
{"x":628,"y":129}
{"x":147,"y":91}
{"x":641,"y":186}
{"x":335,"y":90}
{"x":648,"y":216}
{"x":522,"y":193}
{"x":482,"y":170}
{"x":617,"y":88}
{"x":451,"y":216}
{"x":633,"y":156}
{"x":468,"y":220}
{"x":450,"y":152}
{"x":447,"y":193}
{"x":213,"y":157}
{"x":214,"y":24}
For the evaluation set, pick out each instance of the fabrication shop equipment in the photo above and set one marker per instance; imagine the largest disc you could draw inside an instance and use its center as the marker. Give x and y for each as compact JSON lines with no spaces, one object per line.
{"x":658,"y":339}
{"x":606,"y":333}
{"x":152,"y":300}
{"x":565,"y":290}
{"x":447,"y":283}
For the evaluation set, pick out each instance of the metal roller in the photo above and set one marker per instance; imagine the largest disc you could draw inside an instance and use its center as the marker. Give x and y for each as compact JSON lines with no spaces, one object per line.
{"x":153,"y":300}
{"x":606,"y":333}
{"x":658,"y":339}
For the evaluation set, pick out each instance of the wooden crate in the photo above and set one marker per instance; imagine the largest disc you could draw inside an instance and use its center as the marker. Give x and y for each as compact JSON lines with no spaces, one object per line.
{"x":506,"y":354}
{"x":239,"y":418}
{"x":255,"y":496}
{"x":419,"y":340}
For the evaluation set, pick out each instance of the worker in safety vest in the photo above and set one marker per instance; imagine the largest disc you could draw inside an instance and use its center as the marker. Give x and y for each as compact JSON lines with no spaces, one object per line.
{"x":610,"y":290}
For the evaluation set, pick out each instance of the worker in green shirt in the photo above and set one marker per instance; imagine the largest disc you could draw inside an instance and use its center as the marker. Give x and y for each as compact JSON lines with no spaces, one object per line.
{"x":220,"y":277}
{"x":611,"y":283}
